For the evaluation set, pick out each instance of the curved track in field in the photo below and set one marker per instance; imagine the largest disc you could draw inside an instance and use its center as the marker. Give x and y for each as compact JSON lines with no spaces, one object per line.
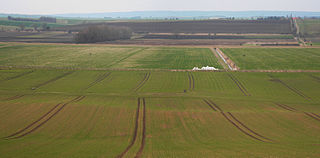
{"x":99,"y":79}
{"x":52,"y":80}
{"x":42,"y":120}
{"x":292,"y":89}
{"x":239,"y":85}
{"x":237,"y":123}
{"x":19,"y":75}
{"x":191,"y":81}
{"x":309,"y":114}
{"x":135,"y":132}
{"x":145,"y":79}
{"x":14,"y":97}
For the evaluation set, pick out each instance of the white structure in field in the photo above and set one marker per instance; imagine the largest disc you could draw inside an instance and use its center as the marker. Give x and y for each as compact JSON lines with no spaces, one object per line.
{"x":204,"y":68}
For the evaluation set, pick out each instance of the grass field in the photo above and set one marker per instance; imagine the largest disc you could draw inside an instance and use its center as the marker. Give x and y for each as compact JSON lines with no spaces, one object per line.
{"x":275,"y":58}
{"x":181,"y":114}
{"x":81,"y":56}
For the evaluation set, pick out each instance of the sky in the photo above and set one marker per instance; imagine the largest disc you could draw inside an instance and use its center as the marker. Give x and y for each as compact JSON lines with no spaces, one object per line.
{"x":98,"y":6}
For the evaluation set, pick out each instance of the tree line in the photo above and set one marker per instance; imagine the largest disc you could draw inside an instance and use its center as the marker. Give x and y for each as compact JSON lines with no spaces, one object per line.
{"x":101,"y":33}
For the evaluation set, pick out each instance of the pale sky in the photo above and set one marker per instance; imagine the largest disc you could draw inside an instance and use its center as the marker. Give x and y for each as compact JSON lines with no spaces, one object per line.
{"x":97,"y":6}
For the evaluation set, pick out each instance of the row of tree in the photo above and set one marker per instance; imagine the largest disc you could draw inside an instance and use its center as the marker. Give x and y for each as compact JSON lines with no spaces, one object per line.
{"x":41,"y":19}
{"x":101,"y":33}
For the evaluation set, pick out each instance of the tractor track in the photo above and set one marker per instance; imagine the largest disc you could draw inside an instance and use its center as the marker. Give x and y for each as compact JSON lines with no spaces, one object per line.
{"x":52,"y":80}
{"x":99,"y":79}
{"x":143,"y":141}
{"x":20,"y":133}
{"x":19,"y":75}
{"x":134,"y":132}
{"x":239,"y":84}
{"x":191,"y":81}
{"x":315,"y":77}
{"x":14,"y":97}
{"x":311,"y":115}
{"x":238,"y":124}
{"x":145,"y":79}
{"x":294,"y":90}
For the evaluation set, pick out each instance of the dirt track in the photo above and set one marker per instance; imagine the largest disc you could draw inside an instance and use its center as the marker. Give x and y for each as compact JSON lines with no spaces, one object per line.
{"x":23,"y":132}
{"x":135,"y":132}
{"x":311,"y":115}
{"x":143,"y":141}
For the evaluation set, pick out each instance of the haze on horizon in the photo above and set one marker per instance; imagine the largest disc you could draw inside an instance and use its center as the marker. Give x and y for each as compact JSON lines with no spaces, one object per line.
{"x":98,"y":6}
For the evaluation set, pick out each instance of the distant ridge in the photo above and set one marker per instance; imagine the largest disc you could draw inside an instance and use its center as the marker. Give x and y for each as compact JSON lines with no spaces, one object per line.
{"x":176,"y":14}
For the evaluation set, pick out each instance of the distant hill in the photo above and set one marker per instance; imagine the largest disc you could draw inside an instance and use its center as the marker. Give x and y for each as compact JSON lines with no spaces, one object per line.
{"x":175,"y":14}
{"x":191,"y":14}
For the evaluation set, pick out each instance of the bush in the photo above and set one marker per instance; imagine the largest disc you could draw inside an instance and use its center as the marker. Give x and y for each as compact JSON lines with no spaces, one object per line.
{"x":101,"y":33}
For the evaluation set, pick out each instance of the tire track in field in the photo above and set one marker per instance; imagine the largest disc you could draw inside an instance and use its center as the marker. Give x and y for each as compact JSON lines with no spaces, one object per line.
{"x":14,"y":97}
{"x":99,"y":79}
{"x":294,"y":90}
{"x":143,"y":140}
{"x":309,"y":114}
{"x":237,"y":123}
{"x":239,"y":85}
{"x":19,"y":75}
{"x":145,"y":79}
{"x":42,"y":120}
{"x":191,"y":81}
{"x":315,"y":77}
{"x":135,"y":132}
{"x":52,"y":80}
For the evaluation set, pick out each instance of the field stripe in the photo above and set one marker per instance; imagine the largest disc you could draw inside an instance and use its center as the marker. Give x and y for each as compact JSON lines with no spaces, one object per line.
{"x":99,"y":79}
{"x":14,"y":97}
{"x":20,"y":133}
{"x":52,"y":80}
{"x":134,"y":132}
{"x":19,"y":75}
{"x":145,"y":79}
{"x":239,"y":85}
{"x":143,"y":141}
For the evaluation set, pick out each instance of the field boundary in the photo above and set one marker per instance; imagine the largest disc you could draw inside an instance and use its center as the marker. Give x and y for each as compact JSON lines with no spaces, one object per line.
{"x":140,"y":69}
{"x":23,"y":132}
{"x":237,"y":123}
{"x":227,"y":60}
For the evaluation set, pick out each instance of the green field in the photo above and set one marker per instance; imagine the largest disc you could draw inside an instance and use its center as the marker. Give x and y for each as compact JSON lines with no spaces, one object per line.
{"x":277,"y":114}
{"x":275,"y":58}
{"x":88,"y":57}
